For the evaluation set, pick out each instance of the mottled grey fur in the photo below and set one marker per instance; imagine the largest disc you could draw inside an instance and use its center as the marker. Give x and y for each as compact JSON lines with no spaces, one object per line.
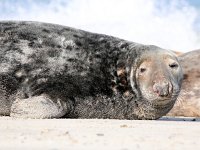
{"x":52,"y":71}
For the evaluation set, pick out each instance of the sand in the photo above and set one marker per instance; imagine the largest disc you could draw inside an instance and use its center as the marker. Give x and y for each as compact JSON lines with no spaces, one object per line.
{"x":99,"y":134}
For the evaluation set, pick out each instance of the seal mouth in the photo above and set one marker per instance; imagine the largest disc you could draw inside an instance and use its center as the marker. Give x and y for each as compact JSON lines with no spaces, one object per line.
{"x":171,"y":98}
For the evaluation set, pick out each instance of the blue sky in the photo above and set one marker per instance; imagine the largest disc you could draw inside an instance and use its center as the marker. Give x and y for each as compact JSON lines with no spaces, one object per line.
{"x":172,"y":24}
{"x":195,"y":3}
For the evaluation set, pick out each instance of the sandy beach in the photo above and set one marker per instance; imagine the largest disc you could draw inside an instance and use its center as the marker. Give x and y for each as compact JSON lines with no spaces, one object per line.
{"x":54,"y":134}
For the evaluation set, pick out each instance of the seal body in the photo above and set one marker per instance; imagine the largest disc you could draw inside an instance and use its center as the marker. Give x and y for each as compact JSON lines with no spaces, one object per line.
{"x":52,"y":71}
{"x":188,"y":103}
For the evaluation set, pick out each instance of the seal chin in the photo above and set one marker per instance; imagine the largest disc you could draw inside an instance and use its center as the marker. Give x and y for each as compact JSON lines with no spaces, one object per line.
{"x":163,"y":102}
{"x":160,"y":101}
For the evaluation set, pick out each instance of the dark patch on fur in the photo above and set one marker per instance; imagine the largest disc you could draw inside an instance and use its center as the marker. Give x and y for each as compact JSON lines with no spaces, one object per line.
{"x":185,"y":76}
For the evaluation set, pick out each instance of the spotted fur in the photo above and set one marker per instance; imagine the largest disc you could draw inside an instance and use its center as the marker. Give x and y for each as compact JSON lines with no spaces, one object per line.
{"x":51,"y":71}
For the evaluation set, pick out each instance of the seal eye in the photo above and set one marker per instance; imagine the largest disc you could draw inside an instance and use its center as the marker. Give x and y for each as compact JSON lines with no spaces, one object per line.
{"x":142,"y":70}
{"x":173,"y":65}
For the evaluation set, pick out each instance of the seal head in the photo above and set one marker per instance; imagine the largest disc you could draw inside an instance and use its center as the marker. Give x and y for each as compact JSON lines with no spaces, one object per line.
{"x":155,"y":79}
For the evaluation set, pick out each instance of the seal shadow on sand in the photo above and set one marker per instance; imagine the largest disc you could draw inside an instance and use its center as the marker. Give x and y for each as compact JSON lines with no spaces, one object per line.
{"x":187,"y":119}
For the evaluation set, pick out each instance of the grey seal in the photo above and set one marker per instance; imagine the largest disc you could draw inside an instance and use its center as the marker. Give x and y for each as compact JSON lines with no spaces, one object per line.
{"x":53,"y":71}
{"x":188,"y":103}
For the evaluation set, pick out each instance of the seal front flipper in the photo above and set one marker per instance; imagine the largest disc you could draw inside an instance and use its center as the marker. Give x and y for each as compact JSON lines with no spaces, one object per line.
{"x":38,"y":107}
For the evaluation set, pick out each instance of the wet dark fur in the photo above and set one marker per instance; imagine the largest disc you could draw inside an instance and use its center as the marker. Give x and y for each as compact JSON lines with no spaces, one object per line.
{"x":76,"y":66}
